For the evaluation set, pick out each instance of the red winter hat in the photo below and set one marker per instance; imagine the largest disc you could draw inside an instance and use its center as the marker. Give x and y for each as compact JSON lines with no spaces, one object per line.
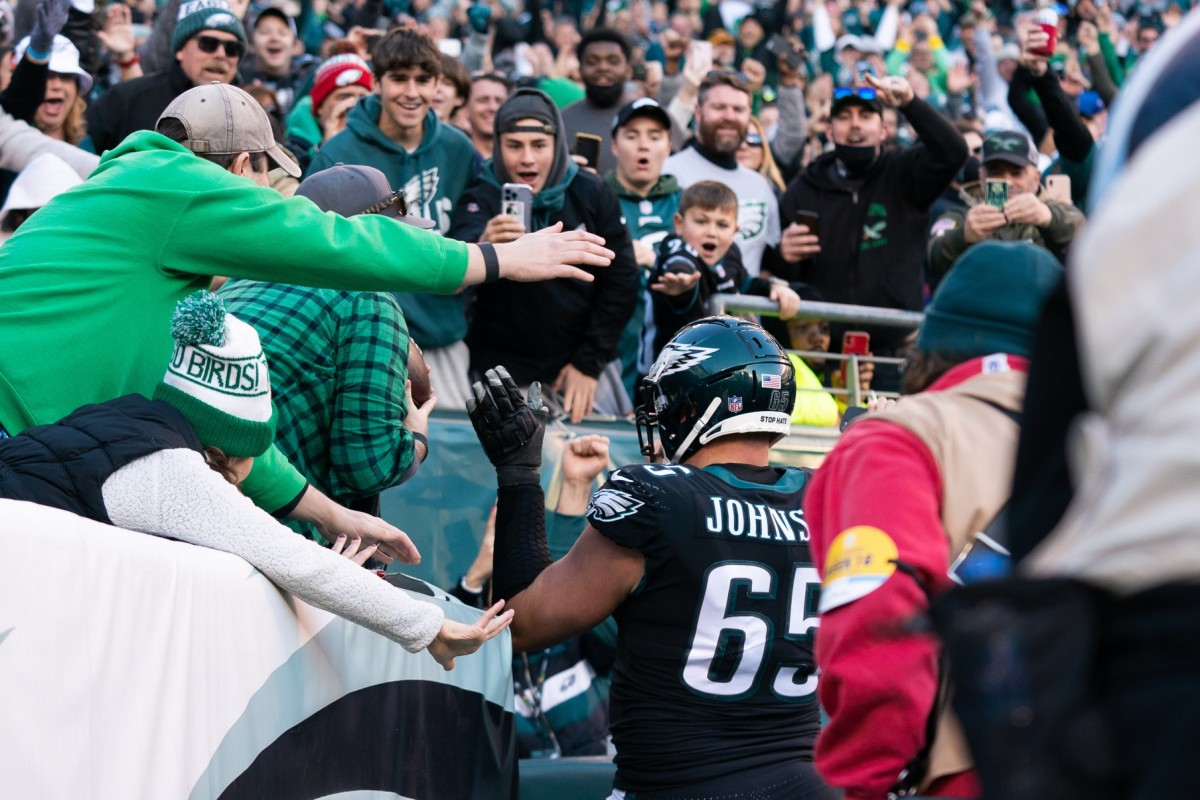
{"x":341,"y":70}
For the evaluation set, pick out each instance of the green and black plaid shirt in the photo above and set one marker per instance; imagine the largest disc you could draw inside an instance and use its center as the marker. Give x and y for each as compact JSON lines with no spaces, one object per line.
{"x":338,"y":362}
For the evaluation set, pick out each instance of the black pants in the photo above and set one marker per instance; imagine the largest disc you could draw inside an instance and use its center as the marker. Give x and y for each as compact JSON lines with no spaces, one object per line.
{"x":1152,"y":691}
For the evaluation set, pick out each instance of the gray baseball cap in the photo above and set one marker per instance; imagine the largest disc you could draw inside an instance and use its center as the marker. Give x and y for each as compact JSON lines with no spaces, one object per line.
{"x":224,"y":120}
{"x":352,"y":189}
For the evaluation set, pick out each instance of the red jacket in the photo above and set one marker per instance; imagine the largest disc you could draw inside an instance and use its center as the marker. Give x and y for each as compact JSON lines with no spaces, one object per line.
{"x":878,"y":682}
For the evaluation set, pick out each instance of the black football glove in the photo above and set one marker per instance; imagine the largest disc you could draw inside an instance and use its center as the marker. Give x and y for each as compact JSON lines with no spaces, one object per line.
{"x":509,"y":427}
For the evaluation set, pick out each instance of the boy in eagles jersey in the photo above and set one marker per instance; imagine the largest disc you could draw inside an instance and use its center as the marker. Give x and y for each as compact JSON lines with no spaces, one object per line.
{"x":701,"y":259}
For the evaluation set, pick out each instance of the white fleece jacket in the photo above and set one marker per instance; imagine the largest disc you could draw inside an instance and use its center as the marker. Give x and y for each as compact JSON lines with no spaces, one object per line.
{"x":21,"y":143}
{"x":174,"y":493}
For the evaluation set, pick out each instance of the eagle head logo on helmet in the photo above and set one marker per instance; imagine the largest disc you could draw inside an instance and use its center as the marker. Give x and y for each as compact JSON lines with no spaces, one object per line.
{"x":718,"y":376}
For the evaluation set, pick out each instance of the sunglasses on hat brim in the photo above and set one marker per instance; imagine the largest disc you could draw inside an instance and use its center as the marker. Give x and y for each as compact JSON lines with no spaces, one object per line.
{"x":861,"y":92}
{"x":210,"y":44}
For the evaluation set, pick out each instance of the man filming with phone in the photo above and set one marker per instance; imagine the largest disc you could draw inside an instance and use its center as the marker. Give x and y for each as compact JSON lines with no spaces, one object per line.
{"x":561,"y":334}
{"x":1008,"y":205}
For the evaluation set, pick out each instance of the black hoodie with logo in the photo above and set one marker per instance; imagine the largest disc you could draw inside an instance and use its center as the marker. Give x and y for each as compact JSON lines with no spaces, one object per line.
{"x":873,"y":228}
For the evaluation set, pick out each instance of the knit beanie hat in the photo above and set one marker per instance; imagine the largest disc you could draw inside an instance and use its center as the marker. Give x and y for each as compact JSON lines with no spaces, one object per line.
{"x":218,"y":378}
{"x":990,"y":301}
{"x":529,"y":103}
{"x":201,"y":15}
{"x":346,"y":69}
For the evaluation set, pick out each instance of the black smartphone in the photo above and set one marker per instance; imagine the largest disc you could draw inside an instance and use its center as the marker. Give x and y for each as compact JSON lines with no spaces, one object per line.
{"x":587,"y":146}
{"x":809,"y":219}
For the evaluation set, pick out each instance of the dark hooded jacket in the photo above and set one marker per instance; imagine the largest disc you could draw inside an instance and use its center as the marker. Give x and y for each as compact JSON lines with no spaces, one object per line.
{"x":873,"y":229}
{"x":535,"y":329}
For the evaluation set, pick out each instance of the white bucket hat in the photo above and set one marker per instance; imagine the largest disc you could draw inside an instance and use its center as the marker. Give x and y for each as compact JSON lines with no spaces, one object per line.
{"x":64,"y":59}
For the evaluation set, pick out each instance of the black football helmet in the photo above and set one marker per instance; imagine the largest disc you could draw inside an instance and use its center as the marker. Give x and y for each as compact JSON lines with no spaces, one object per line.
{"x":716,"y":377}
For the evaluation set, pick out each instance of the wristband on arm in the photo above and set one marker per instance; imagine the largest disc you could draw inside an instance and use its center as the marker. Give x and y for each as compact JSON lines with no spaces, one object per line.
{"x":491,"y":262}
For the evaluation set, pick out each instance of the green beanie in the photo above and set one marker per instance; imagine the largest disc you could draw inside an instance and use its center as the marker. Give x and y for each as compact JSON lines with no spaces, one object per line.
{"x":218,"y":378}
{"x":203,"y":15}
{"x":990,"y":301}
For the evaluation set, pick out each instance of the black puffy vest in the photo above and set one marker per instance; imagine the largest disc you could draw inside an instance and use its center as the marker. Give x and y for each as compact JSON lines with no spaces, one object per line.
{"x":64,"y":465}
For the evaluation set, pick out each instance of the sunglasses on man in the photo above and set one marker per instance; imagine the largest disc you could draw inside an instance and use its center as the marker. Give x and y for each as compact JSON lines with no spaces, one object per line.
{"x":210,"y":44}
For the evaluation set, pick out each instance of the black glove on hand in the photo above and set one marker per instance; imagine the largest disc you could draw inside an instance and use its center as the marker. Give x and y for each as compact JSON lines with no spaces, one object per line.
{"x":50,"y":17}
{"x":509,"y":428}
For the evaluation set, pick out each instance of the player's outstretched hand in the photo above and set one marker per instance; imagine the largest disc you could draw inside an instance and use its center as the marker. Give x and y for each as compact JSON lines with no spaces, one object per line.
{"x":509,"y":427}
{"x":459,"y":639}
{"x":552,"y":253}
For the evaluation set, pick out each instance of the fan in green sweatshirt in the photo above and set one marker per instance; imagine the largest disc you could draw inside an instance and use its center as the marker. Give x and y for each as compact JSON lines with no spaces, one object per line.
{"x":88,"y":284}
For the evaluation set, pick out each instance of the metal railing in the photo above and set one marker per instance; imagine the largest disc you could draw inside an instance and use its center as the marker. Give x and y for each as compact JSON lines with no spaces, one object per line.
{"x":833,"y":312}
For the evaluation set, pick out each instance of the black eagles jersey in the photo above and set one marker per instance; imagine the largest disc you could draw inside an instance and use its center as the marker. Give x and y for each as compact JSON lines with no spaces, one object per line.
{"x":715,"y":671}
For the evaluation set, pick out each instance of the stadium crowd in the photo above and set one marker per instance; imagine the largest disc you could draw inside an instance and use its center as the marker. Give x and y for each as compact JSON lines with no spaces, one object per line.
{"x":559,"y":188}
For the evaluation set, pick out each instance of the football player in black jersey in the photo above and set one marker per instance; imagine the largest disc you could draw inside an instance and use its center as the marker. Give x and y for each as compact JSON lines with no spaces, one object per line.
{"x":703,"y":560}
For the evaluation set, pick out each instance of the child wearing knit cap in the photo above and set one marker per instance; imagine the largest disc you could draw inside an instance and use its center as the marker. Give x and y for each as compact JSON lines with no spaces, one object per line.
{"x":169,"y":466}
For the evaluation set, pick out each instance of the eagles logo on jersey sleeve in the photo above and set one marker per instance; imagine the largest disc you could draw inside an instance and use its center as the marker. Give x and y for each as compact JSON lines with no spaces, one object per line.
{"x":625,"y":508}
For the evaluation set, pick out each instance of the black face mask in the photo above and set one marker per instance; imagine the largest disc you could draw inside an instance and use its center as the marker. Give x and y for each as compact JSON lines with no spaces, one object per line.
{"x":857,"y":159}
{"x":605,"y":96}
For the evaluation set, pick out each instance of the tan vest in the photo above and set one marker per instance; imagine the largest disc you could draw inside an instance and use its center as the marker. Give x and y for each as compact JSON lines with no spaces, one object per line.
{"x":975,"y":447}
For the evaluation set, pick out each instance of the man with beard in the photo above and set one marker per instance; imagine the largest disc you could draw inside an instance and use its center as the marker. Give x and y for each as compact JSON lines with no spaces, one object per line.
{"x":208,"y":42}
{"x":603,"y":68}
{"x":873,"y":206}
{"x":722,"y":117}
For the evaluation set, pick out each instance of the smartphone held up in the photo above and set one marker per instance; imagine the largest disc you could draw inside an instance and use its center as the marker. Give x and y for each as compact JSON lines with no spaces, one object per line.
{"x":997,"y":194}
{"x":587,"y":147}
{"x":854,"y":343}
{"x":516,"y":200}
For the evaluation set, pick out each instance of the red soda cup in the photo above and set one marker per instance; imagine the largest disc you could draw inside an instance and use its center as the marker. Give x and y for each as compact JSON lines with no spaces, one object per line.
{"x":1047,"y":20}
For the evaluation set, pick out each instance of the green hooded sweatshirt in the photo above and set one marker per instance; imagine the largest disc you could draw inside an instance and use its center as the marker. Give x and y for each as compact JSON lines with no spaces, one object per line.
{"x":649,"y":219}
{"x":89,"y":283}
{"x":431,"y":177}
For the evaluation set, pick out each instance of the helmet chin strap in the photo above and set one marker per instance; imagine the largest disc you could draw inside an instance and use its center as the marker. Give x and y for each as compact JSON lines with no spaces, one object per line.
{"x":699,"y":426}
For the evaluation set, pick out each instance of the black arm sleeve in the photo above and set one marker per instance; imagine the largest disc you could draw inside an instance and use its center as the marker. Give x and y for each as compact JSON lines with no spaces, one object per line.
{"x":520,"y":552}
{"x":26,"y":90}
{"x":1028,"y":112}
{"x":1071,"y":136}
